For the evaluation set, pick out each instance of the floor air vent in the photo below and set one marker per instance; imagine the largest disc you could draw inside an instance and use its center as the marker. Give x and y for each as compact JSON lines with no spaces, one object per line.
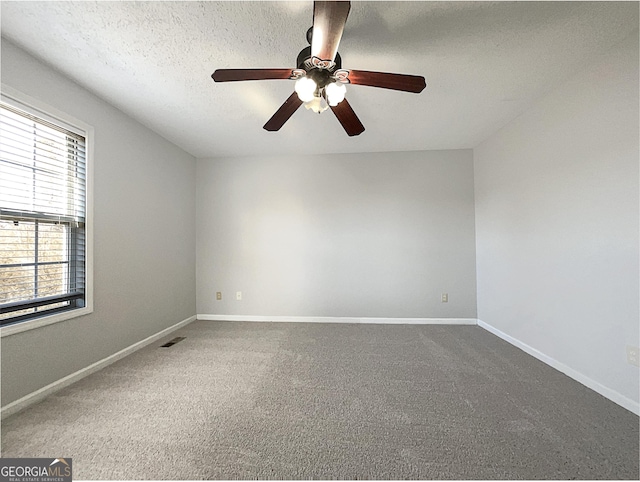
{"x":173,"y":342}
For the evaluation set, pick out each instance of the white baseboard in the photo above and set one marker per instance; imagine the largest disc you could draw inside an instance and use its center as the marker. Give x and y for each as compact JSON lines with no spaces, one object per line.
{"x":612,"y":395}
{"x":44,"y":392}
{"x":340,"y":319}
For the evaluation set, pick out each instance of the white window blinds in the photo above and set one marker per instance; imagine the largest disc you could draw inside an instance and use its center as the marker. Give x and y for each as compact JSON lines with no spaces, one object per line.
{"x":42,"y":216}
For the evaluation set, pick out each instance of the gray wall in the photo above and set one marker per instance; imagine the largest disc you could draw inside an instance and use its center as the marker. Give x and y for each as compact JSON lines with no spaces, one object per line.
{"x":144,"y":231}
{"x":557,"y":223}
{"x":353,"y":235}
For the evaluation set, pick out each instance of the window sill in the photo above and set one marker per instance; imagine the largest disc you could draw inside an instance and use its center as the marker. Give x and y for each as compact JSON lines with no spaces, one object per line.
{"x":44,"y":321}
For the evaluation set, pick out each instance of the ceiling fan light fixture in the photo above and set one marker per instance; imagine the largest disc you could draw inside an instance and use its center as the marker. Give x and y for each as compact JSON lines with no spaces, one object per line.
{"x":305,"y":88}
{"x":335,"y":93}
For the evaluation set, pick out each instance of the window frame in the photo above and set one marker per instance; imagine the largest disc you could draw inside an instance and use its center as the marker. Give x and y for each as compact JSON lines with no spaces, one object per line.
{"x":19,"y":100}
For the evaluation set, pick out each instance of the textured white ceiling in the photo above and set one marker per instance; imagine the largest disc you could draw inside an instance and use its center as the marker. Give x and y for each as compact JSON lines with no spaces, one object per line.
{"x":484,"y":63}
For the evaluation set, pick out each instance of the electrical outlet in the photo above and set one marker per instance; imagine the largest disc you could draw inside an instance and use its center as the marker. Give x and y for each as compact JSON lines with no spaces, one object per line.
{"x":238,"y":295}
{"x":218,"y":295}
{"x":445,"y":298}
{"x":632,"y":355}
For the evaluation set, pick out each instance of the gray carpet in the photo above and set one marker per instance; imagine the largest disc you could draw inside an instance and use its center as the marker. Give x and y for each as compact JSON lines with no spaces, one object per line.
{"x":329,"y":401}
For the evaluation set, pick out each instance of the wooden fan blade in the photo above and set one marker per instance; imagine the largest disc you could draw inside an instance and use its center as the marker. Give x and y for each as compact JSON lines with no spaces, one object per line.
{"x":234,"y":75}
{"x":348,"y":118}
{"x":386,"y":80}
{"x":283,"y":114}
{"x":328,"y":23}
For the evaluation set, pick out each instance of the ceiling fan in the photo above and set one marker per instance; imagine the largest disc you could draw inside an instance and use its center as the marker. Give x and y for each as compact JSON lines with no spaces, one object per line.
{"x":320,"y":79}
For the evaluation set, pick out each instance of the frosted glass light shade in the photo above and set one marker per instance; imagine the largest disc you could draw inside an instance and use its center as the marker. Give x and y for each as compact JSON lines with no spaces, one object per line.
{"x":335,"y":93}
{"x":305,"y":88}
{"x":316,"y":105}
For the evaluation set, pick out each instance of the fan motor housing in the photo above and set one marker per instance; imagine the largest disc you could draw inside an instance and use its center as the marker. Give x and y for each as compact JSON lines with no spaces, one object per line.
{"x":305,"y":55}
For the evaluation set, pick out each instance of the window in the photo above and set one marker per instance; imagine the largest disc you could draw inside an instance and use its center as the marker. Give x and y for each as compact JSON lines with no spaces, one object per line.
{"x":43,"y":211}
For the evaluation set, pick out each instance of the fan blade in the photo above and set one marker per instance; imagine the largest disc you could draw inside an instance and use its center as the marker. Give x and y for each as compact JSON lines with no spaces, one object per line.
{"x":386,"y":80}
{"x":328,"y":23}
{"x":348,"y":118}
{"x":283,"y":114}
{"x":234,"y":75}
